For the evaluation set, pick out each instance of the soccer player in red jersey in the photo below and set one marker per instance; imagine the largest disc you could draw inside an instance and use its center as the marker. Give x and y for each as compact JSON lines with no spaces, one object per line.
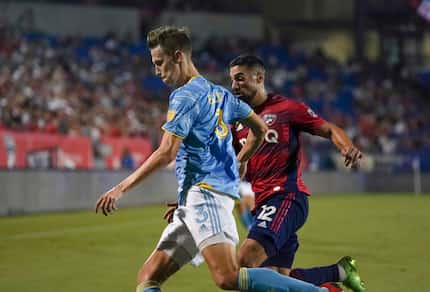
{"x":275,"y":173}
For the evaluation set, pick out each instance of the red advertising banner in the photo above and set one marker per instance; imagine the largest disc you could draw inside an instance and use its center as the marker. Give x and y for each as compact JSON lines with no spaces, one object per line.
{"x":125,"y":152}
{"x":37,"y":150}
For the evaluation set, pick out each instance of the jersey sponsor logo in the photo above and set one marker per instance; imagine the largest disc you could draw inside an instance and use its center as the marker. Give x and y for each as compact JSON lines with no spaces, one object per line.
{"x":312,"y":113}
{"x":272,"y":136}
{"x":269,"y":119}
{"x":170,"y":115}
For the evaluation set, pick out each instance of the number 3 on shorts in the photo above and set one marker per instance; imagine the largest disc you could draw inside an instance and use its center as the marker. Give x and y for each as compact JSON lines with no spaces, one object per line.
{"x":266,"y":212}
{"x":202,"y":214}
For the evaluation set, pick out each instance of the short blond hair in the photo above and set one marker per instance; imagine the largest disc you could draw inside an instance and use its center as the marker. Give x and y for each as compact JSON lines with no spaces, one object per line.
{"x":170,"y":39}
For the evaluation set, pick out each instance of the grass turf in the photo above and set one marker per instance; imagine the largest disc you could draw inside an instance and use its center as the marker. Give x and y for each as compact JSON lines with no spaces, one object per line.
{"x":388,"y":234}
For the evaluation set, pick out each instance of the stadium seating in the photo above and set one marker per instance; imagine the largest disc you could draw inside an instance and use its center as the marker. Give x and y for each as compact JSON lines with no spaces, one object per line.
{"x":105,"y":87}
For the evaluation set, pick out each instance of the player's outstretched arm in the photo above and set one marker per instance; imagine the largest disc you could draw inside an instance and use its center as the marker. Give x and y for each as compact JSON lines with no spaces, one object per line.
{"x":341,"y":140}
{"x":165,"y":153}
{"x":254,"y":139}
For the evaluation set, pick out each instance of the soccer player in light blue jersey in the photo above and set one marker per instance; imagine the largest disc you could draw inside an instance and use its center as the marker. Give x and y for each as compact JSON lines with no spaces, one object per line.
{"x":197,"y":134}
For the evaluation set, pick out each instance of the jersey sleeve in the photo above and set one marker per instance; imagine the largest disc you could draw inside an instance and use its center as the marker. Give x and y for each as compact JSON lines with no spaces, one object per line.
{"x":181,"y":115}
{"x":240,"y":110}
{"x":304,"y":117}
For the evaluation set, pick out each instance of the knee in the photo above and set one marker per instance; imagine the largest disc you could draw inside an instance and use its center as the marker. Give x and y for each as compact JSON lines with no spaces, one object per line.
{"x":157,"y":268}
{"x":247,"y":261}
{"x":227,"y":281}
{"x":251,"y":254}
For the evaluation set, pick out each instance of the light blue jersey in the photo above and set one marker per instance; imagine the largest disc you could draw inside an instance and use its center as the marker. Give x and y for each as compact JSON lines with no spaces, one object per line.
{"x":200,"y":112}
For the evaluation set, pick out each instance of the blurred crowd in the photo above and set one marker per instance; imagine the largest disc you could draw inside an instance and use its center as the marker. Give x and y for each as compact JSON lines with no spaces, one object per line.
{"x":78,"y":86}
{"x":82,"y":85}
{"x":386,"y":109}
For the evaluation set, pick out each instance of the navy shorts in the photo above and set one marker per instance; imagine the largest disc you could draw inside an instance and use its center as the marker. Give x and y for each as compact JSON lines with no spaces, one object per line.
{"x":276,"y":222}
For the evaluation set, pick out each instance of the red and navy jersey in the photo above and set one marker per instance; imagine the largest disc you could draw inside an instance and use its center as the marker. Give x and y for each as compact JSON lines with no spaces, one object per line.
{"x":276,"y":167}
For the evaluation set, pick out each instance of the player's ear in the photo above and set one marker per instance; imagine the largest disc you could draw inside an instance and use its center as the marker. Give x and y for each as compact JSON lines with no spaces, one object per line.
{"x":260,"y":77}
{"x":178,"y":56}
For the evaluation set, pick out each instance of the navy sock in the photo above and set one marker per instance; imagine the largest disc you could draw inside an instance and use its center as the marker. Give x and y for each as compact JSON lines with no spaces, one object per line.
{"x":317,"y":276}
{"x":263,"y":280}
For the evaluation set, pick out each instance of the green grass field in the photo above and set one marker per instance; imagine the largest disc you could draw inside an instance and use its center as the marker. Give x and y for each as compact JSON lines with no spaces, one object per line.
{"x":388,"y":234}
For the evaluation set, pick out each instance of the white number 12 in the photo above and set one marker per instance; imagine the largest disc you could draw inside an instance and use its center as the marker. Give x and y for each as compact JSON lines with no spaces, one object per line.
{"x":266,"y":213}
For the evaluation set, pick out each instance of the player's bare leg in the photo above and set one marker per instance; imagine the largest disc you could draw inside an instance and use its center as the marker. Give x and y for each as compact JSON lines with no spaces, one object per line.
{"x":284,"y":271}
{"x":251,"y":254}
{"x":157,"y":268}
{"x":222,"y":263}
{"x":280,"y":270}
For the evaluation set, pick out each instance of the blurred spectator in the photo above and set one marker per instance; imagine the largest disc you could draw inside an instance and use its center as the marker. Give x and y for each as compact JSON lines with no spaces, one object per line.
{"x":127,"y":161}
{"x":104,"y":86}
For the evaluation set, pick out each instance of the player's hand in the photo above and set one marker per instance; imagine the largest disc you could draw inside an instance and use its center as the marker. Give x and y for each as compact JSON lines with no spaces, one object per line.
{"x":168,"y":215}
{"x":106,"y":202}
{"x":352,"y":157}
{"x":243,"y":167}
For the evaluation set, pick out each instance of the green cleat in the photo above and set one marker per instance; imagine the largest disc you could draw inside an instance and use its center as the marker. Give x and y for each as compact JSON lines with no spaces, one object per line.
{"x":352,"y":280}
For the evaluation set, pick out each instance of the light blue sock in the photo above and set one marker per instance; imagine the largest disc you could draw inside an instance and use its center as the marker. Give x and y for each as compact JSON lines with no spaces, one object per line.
{"x":262,"y":280}
{"x":246,"y":219}
{"x":152,"y":290}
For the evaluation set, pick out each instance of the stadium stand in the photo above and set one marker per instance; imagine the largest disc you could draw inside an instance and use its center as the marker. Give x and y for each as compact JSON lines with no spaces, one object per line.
{"x":94,"y":87}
